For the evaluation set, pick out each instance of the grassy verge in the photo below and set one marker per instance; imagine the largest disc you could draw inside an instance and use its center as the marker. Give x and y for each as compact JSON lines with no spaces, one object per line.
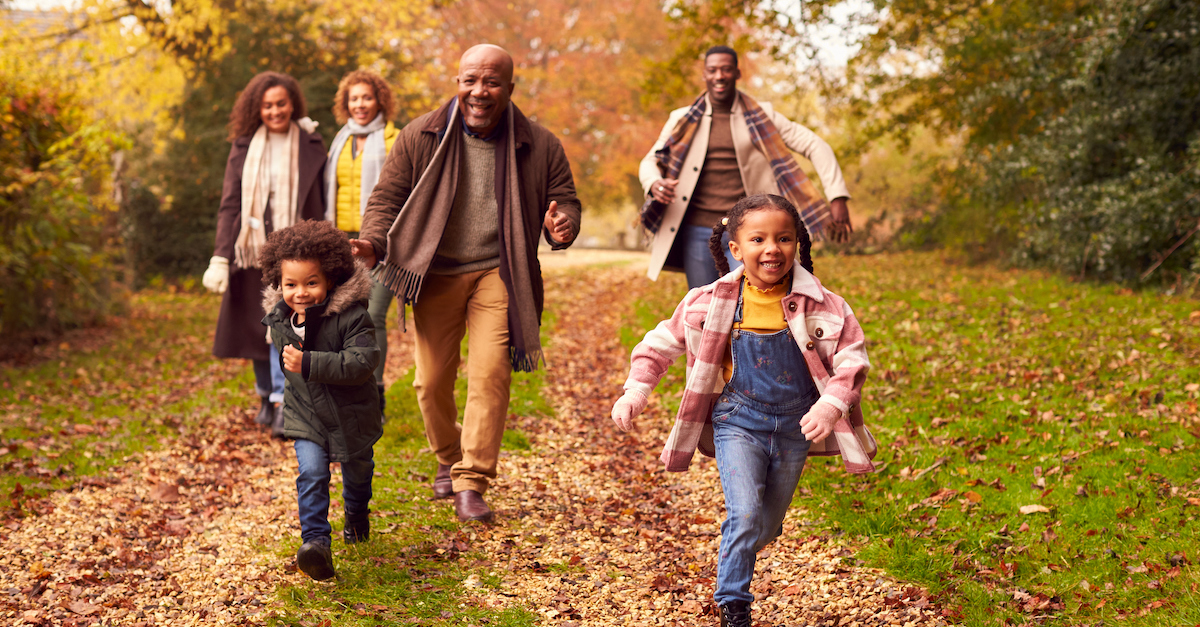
{"x":418,"y":567}
{"x":100,"y":395}
{"x":1038,"y":441}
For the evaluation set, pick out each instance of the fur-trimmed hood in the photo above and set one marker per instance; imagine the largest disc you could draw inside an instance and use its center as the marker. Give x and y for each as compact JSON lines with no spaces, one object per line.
{"x":357,"y":289}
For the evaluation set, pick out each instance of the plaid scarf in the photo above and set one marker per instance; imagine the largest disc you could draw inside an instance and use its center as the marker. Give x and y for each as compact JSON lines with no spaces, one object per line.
{"x":792,"y":181}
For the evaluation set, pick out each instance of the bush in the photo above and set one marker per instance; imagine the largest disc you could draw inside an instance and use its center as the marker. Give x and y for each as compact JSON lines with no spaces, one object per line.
{"x":56,"y":217}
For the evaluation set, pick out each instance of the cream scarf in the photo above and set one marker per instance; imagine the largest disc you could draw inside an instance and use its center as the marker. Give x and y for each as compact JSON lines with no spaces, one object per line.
{"x":256,"y":194}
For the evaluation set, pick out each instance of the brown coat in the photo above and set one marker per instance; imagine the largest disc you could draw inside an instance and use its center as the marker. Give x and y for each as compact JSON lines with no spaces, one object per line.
{"x":545,"y":176}
{"x":240,"y":333}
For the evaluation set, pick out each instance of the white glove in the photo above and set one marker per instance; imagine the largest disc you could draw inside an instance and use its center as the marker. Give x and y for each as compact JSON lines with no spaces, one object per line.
{"x":216,"y":277}
{"x":818,"y":423}
{"x":627,"y":408}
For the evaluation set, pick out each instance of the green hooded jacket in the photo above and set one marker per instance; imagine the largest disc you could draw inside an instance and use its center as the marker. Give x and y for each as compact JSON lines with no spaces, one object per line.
{"x":333,"y":401}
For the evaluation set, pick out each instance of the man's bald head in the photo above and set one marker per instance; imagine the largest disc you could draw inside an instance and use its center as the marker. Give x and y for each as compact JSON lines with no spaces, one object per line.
{"x":485,"y":86}
{"x":489,"y":55}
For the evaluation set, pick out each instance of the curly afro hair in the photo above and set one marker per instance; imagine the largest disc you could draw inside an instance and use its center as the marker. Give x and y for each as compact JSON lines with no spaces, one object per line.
{"x":315,"y":240}
{"x":758,"y":202}
{"x":383,"y":94}
{"x":246,"y":116}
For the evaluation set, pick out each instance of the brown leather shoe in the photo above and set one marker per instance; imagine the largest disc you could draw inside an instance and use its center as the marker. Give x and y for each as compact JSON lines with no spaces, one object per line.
{"x":469,"y":505}
{"x":443,"y":487}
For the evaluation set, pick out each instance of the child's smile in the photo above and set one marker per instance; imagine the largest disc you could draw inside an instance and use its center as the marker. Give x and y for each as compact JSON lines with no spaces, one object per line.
{"x":766,"y":244}
{"x":304,"y":284}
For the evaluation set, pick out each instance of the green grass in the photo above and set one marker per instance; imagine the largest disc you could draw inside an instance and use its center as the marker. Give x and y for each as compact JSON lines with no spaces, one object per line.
{"x":994,"y":390}
{"x":104,"y":395}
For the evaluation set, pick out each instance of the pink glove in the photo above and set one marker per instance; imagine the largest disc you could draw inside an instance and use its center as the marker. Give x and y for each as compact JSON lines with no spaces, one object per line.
{"x":818,"y":423}
{"x":627,"y":408}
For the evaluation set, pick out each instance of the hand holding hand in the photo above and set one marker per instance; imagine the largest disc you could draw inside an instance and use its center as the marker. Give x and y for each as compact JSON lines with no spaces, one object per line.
{"x":663,"y":190}
{"x":216,"y":277}
{"x":627,"y":408}
{"x":364,"y":249}
{"x":293,"y":359}
{"x":818,"y":423}
{"x":840,"y":228}
{"x":558,"y":224}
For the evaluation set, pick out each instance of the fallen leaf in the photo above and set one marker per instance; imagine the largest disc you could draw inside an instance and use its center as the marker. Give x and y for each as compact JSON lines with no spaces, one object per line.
{"x":1034,"y":509}
{"x":972,"y":496}
{"x":165,"y":492}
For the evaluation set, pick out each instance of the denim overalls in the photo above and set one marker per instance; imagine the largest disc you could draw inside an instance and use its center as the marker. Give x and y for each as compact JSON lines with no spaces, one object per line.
{"x":760,"y":448}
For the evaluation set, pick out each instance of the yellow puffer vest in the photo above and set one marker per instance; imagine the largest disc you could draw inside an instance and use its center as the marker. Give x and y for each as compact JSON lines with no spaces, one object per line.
{"x":349,"y":183}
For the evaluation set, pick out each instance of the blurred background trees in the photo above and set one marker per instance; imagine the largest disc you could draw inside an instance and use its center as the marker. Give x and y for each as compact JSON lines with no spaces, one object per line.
{"x":1059,"y":133}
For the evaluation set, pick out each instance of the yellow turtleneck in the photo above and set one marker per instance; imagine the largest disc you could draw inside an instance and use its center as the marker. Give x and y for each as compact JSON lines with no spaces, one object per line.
{"x":762,"y":312}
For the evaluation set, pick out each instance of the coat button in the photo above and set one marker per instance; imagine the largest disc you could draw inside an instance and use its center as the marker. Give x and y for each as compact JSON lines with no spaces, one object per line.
{"x":685,"y":199}
{"x":695,"y":169}
{"x":809,"y":346}
{"x":819,"y":333}
{"x":672,"y":229}
{"x":792,"y":307}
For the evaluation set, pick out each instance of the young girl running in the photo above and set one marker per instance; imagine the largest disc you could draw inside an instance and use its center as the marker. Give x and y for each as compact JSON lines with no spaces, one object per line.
{"x":316,"y":311}
{"x":776,"y":364}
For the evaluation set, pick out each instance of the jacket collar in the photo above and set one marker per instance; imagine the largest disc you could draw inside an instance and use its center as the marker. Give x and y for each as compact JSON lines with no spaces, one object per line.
{"x":357,"y":289}
{"x":437,"y":123}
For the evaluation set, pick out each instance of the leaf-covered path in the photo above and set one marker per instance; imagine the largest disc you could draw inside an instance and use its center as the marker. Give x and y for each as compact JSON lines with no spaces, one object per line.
{"x":590,"y":530}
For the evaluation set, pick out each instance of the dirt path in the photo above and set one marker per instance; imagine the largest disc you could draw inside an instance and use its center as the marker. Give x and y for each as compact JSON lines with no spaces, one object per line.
{"x":590,"y":532}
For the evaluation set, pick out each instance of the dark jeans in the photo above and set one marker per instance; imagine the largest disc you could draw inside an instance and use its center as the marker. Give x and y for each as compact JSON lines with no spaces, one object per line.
{"x":312,"y":489}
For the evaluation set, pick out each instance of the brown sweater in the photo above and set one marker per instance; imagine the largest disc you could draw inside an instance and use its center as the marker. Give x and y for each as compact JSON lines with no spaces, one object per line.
{"x":471,"y":241}
{"x":720,"y":182}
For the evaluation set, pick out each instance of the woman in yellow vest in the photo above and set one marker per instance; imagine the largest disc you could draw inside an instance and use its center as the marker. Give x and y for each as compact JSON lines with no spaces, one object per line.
{"x":363,"y":105}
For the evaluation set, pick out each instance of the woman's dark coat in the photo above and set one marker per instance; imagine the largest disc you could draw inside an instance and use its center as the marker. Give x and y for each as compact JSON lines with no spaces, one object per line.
{"x":333,"y":400}
{"x":239,"y":334}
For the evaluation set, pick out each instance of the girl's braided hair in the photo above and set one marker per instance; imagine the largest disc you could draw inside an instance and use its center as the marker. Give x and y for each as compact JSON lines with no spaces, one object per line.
{"x":315,"y":240}
{"x":733,"y":221}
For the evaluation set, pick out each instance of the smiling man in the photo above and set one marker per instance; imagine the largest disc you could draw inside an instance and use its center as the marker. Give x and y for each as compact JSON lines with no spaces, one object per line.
{"x":720,"y":149}
{"x":463,"y":198}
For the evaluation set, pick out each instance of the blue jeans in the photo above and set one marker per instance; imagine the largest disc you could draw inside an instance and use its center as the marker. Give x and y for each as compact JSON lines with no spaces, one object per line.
{"x":760,"y":457}
{"x":698,"y":262}
{"x":312,"y":489}
{"x":268,"y":377}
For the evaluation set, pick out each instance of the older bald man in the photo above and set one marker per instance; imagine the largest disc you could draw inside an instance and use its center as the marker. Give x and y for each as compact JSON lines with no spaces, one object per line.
{"x":461,"y":203}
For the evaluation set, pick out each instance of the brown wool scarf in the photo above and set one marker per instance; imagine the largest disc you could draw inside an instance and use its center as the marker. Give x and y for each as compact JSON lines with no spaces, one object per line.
{"x":418,"y":229}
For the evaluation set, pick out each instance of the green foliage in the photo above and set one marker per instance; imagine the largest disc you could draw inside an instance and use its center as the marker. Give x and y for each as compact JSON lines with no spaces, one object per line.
{"x":56,"y":219}
{"x":1082,"y":121}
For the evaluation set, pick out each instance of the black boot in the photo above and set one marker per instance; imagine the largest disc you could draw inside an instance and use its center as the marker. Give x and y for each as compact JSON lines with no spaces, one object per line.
{"x":735,"y":614}
{"x":277,"y":421}
{"x":357,"y":529}
{"x":315,"y":559}
{"x":264,"y":413}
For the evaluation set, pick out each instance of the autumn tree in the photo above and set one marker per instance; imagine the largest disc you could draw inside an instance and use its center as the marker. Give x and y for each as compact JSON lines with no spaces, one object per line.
{"x":580,"y":67}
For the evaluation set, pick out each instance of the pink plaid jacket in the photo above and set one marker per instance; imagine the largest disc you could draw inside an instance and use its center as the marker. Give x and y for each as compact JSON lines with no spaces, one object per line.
{"x":826,"y":331}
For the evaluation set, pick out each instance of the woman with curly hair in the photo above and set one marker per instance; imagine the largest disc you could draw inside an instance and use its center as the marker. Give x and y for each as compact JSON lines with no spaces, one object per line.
{"x":315,"y":301}
{"x":275,"y":177}
{"x":363,"y":105}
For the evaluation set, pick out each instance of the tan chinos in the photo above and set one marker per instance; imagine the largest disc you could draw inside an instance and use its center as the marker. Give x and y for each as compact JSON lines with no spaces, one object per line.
{"x":449,"y":305}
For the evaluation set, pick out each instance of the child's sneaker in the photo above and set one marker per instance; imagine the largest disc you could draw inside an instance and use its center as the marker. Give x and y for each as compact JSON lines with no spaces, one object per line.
{"x":316,"y":560}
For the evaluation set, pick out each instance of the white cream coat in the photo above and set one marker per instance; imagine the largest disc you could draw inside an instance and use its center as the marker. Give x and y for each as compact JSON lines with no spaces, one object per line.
{"x":757,"y":176}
